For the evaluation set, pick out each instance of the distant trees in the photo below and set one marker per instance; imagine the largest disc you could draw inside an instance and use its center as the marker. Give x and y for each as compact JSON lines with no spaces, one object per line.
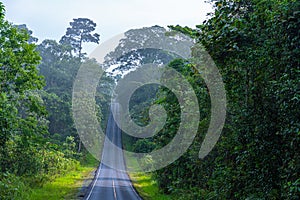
{"x":80,"y":31}
{"x":59,"y":66}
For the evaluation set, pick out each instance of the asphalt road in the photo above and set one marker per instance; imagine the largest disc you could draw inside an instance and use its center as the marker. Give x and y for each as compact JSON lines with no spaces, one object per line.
{"x":109,"y":183}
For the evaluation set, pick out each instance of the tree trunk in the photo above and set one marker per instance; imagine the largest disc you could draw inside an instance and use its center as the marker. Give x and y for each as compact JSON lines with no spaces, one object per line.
{"x":79,"y":147}
{"x":80,"y":46}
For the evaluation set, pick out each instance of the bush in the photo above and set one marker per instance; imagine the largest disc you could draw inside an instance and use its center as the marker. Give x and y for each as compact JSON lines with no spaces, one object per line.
{"x":12,"y":187}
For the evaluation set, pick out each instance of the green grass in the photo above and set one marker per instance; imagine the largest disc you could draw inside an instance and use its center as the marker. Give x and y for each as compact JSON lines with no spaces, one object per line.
{"x":143,"y":182}
{"x":68,"y":185}
{"x":65,"y":187}
{"x":147,"y":187}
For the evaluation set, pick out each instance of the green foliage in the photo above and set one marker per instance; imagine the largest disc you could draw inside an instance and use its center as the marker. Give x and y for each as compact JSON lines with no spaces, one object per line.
{"x":60,"y":68}
{"x":255,"y":45}
{"x":147,"y":187}
{"x":185,"y":30}
{"x":262,"y":135}
{"x":27,"y":157}
{"x":12,"y":187}
{"x":24,"y":28}
{"x":2,"y":11}
{"x":63,"y":187}
{"x":22,"y":117}
{"x":185,"y":171}
{"x":144,"y":146}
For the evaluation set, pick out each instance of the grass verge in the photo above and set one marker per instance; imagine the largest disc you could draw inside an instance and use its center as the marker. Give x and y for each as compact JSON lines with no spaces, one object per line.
{"x":147,"y":187}
{"x":65,"y":187}
{"x":143,"y":182}
{"x":68,"y":185}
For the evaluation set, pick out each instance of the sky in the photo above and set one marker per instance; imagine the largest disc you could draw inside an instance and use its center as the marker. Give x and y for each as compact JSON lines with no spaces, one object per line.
{"x":49,"y":19}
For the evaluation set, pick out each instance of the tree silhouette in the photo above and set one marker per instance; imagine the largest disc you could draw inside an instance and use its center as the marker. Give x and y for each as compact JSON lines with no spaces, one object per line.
{"x":80,"y":31}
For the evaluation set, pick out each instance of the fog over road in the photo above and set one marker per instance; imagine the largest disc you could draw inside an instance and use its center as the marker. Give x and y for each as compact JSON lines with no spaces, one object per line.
{"x":112,"y":183}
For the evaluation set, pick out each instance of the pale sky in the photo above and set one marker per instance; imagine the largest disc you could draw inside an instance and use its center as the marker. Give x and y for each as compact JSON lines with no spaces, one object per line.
{"x":49,"y":19}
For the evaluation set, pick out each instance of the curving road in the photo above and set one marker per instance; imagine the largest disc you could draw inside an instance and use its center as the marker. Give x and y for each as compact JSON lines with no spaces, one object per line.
{"x":109,"y":183}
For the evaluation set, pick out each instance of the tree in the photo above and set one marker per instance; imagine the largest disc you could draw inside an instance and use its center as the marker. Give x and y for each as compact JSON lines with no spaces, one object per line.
{"x":23,"y":27}
{"x":51,"y":51}
{"x":59,"y":67}
{"x":80,"y":31}
{"x":22,"y":115}
{"x":255,"y":45}
{"x":27,"y":157}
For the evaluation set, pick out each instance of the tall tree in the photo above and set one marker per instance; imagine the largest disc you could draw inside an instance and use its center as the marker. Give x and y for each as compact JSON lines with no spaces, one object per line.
{"x":80,"y":31}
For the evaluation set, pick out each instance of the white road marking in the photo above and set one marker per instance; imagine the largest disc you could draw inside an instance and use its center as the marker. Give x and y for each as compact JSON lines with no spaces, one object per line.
{"x":97,"y":176}
{"x":114,"y":187}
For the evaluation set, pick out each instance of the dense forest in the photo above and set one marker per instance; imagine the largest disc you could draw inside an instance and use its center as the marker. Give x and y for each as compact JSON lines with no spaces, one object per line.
{"x":255,"y":45}
{"x":38,"y":138}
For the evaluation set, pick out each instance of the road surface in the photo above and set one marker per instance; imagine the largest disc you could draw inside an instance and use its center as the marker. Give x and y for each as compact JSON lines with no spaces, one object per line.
{"x":109,"y":183}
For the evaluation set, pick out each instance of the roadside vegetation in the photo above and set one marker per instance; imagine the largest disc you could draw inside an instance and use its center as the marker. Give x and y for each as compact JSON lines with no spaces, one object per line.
{"x":147,"y":187}
{"x":67,"y":186}
{"x":40,"y":150}
{"x":255,"y":45}
{"x":145,"y":183}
